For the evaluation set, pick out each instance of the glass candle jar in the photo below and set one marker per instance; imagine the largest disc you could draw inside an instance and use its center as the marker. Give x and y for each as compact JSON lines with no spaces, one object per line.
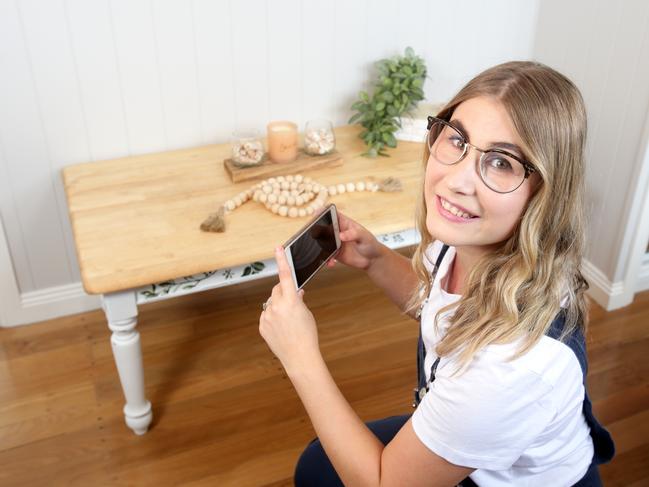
{"x":282,"y":141}
{"x":319,"y":137}
{"x":247,"y":148}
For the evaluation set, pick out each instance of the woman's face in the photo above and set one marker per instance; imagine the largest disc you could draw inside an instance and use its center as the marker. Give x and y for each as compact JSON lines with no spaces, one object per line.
{"x":486,"y":124}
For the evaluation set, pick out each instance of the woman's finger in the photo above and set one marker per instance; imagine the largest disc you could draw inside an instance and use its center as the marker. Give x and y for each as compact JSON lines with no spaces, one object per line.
{"x":285,"y":277}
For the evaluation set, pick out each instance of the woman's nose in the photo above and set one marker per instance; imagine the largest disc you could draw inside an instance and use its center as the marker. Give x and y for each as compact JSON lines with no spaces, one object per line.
{"x":462,"y":176}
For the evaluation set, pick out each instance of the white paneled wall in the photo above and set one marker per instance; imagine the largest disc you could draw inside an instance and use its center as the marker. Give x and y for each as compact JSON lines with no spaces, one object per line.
{"x":604,"y":48}
{"x":84,"y":80}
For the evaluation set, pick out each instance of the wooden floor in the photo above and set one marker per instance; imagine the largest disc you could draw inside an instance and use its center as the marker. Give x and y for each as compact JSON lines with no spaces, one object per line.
{"x":225,"y":414}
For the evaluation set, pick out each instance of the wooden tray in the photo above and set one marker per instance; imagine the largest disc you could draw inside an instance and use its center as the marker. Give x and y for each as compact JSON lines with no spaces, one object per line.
{"x":266,"y":169}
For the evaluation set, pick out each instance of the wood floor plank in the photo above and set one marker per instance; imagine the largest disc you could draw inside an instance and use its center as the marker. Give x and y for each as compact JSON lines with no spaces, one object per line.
{"x":224,"y":412}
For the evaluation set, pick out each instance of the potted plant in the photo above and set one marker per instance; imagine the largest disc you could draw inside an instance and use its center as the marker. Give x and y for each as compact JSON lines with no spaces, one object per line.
{"x":398,"y":89}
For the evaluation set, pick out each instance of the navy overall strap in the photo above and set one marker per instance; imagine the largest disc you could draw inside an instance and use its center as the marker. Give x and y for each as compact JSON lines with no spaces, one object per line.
{"x":602,"y":441}
{"x":421,"y":351}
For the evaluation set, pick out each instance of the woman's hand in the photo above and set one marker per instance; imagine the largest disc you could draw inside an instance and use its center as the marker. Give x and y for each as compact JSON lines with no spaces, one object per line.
{"x":286,"y":324}
{"x":359,"y":247}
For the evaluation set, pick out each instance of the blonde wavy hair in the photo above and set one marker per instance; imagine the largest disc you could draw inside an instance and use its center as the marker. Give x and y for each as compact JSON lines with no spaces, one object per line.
{"x":514,"y":292}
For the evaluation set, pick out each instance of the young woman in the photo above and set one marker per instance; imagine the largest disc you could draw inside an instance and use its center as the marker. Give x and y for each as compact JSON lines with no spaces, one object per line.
{"x":496,"y":284}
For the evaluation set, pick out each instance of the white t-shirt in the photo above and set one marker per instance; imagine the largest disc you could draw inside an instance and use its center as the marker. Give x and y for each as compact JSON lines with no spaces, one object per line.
{"x":517,"y":422}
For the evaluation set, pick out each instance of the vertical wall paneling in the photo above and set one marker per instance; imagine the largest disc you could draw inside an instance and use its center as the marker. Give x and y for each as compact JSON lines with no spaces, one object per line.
{"x":285,"y":54}
{"x":213,"y":40}
{"x":96,"y":68}
{"x":28,"y":133}
{"x":318,"y":68}
{"x":250,"y":62}
{"x":137,"y":62}
{"x":352,"y":69}
{"x":175,"y":50}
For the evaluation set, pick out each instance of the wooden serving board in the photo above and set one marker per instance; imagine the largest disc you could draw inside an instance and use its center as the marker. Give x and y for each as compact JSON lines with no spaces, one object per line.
{"x":267,"y":168}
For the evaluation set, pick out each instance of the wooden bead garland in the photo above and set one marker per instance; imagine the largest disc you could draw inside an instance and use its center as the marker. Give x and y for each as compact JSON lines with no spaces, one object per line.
{"x":292,"y":196}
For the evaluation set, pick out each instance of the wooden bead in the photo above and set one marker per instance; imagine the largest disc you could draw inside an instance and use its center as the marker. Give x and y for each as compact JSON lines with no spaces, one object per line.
{"x":290,"y":201}
{"x":351,"y":187}
{"x":275,"y":208}
{"x":292,"y":212}
{"x":307,"y":179}
{"x":267,"y":189}
{"x":283,"y":210}
{"x":289,"y":178}
{"x":360,"y":186}
{"x":255,"y":197}
{"x":237,"y":201}
{"x":309,"y":210}
{"x":299,"y":178}
{"x":299,"y":201}
{"x":308,"y":187}
{"x":272,"y":198}
{"x":282,"y":199}
{"x":285,"y":184}
{"x":271,"y":180}
{"x":301,"y":212}
{"x":229,"y":205}
{"x":263,"y":197}
{"x":332,"y":190}
{"x":293,"y":185}
{"x":341,"y":188}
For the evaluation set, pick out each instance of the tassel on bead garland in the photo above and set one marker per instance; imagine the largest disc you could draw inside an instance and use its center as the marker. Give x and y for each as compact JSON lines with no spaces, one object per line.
{"x":284,"y":194}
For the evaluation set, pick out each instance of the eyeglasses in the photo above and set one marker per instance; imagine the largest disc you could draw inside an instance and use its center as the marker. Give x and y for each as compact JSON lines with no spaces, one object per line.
{"x":500,"y":170}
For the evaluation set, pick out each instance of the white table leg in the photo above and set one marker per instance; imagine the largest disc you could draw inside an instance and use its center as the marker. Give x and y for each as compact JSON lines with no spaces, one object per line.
{"x":121,"y":313}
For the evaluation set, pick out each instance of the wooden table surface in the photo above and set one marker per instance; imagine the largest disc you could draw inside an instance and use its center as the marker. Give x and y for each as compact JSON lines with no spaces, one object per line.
{"x":136,"y":220}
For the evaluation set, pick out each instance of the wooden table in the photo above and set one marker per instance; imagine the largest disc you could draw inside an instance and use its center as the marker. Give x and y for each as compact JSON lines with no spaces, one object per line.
{"x":136,"y":228}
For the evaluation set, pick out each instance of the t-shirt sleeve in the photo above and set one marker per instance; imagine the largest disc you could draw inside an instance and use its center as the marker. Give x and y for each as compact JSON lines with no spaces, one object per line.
{"x":485,"y":417}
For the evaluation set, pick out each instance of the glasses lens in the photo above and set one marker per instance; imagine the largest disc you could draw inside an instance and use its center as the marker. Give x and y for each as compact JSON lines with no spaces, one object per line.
{"x":445,"y":143}
{"x":501,"y":172}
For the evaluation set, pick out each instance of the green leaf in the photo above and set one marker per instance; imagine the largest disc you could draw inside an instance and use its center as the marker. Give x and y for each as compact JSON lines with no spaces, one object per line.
{"x":379,"y":106}
{"x":355,"y":118}
{"x":391,"y":110}
{"x":410,"y":52}
{"x":417,"y":83}
{"x":246,"y":271}
{"x":390,"y":140}
{"x":364,"y":96}
{"x":407,"y":70}
{"x":387,"y":96}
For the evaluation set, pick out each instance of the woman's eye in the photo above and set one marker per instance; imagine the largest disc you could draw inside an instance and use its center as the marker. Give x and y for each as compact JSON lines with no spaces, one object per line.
{"x":457,"y":142}
{"x":500,"y":164}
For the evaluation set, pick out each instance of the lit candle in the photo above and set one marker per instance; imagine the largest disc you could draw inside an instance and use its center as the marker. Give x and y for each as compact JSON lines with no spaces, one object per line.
{"x":282,"y":141}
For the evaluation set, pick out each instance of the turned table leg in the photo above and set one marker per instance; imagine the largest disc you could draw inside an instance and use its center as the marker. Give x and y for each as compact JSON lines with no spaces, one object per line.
{"x":121,"y":313}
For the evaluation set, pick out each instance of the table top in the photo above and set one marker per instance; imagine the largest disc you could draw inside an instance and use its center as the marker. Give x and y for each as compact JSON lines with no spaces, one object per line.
{"x":136,"y":219}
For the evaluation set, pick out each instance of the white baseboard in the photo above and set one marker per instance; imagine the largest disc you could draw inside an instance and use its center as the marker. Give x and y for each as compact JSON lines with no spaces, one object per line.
{"x":642,"y":283}
{"x":50,"y":303}
{"x":609,"y":295}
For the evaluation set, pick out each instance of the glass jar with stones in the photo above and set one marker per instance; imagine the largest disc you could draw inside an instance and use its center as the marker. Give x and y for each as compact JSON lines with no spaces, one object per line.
{"x":247,"y":148}
{"x":319,"y":137}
